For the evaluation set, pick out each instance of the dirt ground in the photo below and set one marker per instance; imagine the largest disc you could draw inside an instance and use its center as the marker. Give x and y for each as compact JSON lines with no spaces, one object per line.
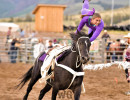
{"x":106,"y":84}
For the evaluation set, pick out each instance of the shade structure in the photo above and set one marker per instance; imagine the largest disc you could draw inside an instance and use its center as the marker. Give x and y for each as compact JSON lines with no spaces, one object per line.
{"x":4,"y":27}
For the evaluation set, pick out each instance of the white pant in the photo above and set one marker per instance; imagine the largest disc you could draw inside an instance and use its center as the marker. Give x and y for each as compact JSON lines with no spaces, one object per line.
{"x":48,"y":60}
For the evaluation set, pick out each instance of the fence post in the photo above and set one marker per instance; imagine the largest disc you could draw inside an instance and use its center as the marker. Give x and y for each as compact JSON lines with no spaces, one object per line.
{"x":26,"y":44}
{"x":103,"y":50}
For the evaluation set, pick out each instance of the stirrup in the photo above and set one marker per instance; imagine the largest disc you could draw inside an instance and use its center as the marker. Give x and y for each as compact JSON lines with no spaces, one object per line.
{"x":44,"y":79}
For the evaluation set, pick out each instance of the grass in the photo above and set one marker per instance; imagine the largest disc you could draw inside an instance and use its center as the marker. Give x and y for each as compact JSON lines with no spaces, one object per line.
{"x":28,"y":26}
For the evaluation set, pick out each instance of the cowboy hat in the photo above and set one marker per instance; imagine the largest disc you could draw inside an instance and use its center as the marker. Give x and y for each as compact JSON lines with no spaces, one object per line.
{"x":127,"y":36}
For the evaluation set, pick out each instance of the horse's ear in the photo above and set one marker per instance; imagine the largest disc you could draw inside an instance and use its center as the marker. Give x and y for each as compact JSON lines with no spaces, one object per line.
{"x":77,"y":31}
{"x":72,"y":35}
{"x":90,"y":35}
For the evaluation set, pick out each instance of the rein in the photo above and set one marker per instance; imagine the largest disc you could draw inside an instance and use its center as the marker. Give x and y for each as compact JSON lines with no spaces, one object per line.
{"x":79,"y":51}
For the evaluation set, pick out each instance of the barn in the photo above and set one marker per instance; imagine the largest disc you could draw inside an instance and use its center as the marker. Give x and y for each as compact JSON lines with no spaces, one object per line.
{"x":49,"y":18}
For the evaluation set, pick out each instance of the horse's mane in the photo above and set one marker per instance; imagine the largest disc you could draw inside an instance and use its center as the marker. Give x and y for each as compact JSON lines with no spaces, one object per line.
{"x":74,"y":37}
{"x":64,"y":54}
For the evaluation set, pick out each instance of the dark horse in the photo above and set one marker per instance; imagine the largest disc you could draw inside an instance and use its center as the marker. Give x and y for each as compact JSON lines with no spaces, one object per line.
{"x":62,"y":77}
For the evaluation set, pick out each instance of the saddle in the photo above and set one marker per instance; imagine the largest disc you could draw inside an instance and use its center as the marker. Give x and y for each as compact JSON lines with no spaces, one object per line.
{"x":50,"y":71}
{"x":49,"y":60}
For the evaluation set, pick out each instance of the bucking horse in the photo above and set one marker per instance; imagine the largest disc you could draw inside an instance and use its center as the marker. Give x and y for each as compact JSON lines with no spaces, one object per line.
{"x":68,"y":71}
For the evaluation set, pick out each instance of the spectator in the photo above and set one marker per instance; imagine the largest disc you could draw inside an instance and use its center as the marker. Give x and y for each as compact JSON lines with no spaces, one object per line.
{"x":55,"y":41}
{"x":114,"y":48}
{"x":38,"y":48}
{"x":108,"y":50}
{"x":22,"y":33}
{"x":127,"y":51}
{"x":33,"y":34}
{"x":13,"y":51}
{"x":127,"y":58}
{"x":9,"y":33}
{"x":8,"y":37}
{"x":119,"y":52}
{"x":128,"y":38}
{"x":105,"y":36}
{"x":50,"y":44}
{"x":123,"y":46}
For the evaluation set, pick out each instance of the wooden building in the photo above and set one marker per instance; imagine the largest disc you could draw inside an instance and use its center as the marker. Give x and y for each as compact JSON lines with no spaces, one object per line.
{"x":49,"y":18}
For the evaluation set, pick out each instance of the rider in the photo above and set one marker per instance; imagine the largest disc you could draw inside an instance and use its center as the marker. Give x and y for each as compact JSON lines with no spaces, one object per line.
{"x":92,"y":20}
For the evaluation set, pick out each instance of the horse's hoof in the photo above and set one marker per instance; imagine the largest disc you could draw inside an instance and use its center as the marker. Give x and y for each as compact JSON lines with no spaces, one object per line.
{"x":25,"y":98}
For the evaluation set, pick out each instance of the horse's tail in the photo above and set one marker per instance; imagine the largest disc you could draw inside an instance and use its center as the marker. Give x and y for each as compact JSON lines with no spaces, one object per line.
{"x":25,"y":78}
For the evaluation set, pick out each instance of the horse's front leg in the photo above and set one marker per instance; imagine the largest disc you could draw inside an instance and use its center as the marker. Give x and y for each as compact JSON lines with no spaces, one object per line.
{"x":54,"y":92}
{"x":77,"y":92}
{"x":44,"y":91}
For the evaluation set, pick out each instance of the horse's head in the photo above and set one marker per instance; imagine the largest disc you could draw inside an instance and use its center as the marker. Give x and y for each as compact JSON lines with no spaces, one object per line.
{"x":81,"y":45}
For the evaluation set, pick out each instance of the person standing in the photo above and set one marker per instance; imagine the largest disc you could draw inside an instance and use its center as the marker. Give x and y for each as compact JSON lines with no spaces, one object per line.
{"x":105,"y":36}
{"x":9,"y":33}
{"x":8,"y":37}
{"x":22,"y":33}
{"x":13,"y":51}
{"x":38,"y":48}
{"x":127,"y":58}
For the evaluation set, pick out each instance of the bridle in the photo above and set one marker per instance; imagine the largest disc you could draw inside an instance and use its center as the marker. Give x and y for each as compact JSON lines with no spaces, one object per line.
{"x":77,"y":43}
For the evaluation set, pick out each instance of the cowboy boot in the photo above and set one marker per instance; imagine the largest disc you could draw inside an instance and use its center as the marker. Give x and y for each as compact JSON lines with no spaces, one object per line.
{"x":43,"y":78}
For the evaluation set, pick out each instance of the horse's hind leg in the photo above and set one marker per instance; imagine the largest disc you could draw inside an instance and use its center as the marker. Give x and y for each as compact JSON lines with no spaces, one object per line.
{"x":30,"y":85}
{"x":44,"y":91}
{"x":77,"y":92}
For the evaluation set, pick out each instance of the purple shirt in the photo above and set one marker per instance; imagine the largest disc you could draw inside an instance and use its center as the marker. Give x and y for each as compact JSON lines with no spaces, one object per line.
{"x":86,"y":20}
{"x":96,"y":29}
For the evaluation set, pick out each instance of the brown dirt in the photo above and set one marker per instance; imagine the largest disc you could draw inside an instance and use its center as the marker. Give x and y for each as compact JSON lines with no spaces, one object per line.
{"x":99,"y":85}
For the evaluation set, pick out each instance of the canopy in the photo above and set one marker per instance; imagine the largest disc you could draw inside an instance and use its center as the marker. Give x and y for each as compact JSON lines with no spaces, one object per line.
{"x":4,"y":27}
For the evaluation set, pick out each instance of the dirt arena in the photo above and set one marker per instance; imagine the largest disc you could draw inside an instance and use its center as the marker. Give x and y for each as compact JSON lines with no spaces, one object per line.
{"x":106,"y":84}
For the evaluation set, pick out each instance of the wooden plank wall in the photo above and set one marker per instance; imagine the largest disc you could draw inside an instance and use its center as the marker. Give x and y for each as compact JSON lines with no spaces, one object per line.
{"x":52,"y":21}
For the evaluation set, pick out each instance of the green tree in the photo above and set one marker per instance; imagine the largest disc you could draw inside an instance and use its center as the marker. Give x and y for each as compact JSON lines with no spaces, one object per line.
{"x":18,"y":19}
{"x":11,"y":19}
{"x":28,"y":18}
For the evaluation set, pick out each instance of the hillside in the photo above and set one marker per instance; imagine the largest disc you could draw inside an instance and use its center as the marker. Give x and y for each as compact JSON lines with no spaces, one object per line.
{"x":121,"y":16}
{"x":13,"y":8}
